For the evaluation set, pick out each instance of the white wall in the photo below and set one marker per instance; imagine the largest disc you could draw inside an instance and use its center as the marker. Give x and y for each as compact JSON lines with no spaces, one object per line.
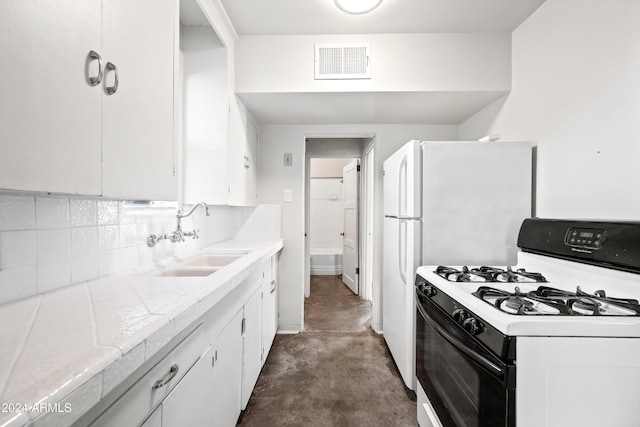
{"x":326,"y":212}
{"x":205,"y":109}
{"x":274,"y":178}
{"x":327,"y":168}
{"x":399,"y":62}
{"x":576,"y":94}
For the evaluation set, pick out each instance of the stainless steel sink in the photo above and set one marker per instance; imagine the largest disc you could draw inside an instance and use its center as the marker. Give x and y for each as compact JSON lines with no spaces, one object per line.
{"x":213,"y":260}
{"x":187,"y":272}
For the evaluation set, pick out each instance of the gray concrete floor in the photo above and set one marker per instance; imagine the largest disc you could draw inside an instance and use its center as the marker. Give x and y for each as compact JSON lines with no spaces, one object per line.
{"x":337,"y":373}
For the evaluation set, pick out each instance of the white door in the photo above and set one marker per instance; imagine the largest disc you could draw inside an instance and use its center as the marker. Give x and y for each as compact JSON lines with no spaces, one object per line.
{"x":350,"y":175}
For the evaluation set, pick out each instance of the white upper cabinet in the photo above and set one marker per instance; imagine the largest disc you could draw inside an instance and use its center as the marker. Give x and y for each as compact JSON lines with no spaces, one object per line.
{"x":242,"y":158}
{"x":138,"y":119}
{"x":49,"y":112}
{"x":64,"y":126}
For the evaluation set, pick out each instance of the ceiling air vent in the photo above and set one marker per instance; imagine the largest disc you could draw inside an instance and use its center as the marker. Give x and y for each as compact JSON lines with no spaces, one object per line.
{"x":342,"y":61}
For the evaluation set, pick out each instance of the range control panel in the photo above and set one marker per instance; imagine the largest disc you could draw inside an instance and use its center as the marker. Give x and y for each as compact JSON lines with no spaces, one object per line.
{"x":589,"y":238}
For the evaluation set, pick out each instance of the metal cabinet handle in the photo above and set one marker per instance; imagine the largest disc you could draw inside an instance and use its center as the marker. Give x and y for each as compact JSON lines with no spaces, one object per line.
{"x":112,"y":89}
{"x":95,"y":56}
{"x":273,"y":286}
{"x":168,"y":377}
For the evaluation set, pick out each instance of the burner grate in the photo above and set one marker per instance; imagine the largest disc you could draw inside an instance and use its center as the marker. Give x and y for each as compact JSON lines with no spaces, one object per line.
{"x":551,"y":301}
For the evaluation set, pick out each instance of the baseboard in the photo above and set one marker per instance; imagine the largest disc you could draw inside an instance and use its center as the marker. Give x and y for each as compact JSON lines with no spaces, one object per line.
{"x":326,"y":270}
{"x":288,"y":329}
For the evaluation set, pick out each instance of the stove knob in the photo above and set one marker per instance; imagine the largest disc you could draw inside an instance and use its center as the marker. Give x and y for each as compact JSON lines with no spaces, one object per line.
{"x":429,"y":291}
{"x":459,"y":315}
{"x":472,"y":326}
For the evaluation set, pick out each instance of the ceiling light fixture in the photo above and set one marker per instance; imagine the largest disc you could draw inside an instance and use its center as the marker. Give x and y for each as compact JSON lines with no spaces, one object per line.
{"x":357,"y":7}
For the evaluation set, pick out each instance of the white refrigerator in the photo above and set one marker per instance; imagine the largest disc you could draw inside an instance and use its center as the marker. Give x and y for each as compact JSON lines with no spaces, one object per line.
{"x":447,"y":203}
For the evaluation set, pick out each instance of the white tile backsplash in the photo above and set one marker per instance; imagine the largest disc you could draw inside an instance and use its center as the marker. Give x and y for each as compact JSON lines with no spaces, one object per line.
{"x":52,"y":212}
{"x":108,"y":212}
{"x":85,"y":267}
{"x":53,"y":245}
{"x":54,"y":275}
{"x":83,"y":212}
{"x":108,"y":237}
{"x":84,"y":240}
{"x":17,"y":213}
{"x":17,"y":248}
{"x":17,"y":283}
{"x":49,"y":242}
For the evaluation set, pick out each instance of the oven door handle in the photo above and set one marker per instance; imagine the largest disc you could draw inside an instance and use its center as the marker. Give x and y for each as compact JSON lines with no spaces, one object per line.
{"x":478,"y":358}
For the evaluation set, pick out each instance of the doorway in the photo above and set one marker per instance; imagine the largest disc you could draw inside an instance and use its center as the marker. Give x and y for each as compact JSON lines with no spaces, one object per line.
{"x":335,"y":210}
{"x":333,"y":219}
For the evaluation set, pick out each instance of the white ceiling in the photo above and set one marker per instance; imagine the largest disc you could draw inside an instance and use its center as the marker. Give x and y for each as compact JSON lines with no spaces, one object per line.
{"x":262,"y":17}
{"x":297,"y":17}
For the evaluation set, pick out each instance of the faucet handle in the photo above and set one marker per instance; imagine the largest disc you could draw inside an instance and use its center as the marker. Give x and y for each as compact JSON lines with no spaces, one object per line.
{"x":193,"y":234}
{"x":151,"y":240}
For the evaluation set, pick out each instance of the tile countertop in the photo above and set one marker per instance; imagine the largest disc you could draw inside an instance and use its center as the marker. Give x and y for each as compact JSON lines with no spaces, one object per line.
{"x":63,"y":351}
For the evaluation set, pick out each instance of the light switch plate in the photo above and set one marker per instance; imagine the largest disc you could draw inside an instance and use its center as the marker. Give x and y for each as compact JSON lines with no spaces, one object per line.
{"x":288,"y":197}
{"x":288,"y":159}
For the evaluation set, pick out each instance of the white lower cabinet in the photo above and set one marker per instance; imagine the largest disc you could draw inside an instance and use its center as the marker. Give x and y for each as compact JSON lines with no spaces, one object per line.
{"x":227,"y":373}
{"x":189,"y":404}
{"x":208,"y":377}
{"x":252,"y":338}
{"x":154,"y":420}
{"x":152,"y":389}
{"x":269,"y":306}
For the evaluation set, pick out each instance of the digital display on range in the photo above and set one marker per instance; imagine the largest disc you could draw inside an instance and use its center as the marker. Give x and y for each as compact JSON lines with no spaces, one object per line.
{"x":585,"y":238}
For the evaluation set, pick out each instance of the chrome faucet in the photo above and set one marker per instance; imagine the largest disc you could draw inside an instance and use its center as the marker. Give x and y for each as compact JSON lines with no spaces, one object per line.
{"x":178,"y":235}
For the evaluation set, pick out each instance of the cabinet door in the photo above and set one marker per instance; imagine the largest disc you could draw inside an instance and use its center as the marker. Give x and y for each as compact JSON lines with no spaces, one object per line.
{"x":252,"y":170}
{"x":227,"y":373}
{"x":49,"y":112}
{"x":237,"y":153}
{"x":189,"y":404}
{"x":138,"y":119}
{"x":269,"y":309}
{"x":252,"y":338}
{"x":154,"y":420}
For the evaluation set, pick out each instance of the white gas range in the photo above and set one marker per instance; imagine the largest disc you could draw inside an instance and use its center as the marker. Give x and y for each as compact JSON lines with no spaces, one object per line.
{"x":554,"y":341}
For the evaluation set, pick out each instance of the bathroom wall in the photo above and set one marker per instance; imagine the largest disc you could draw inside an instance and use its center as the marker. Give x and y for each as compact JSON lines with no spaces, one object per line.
{"x":326,"y":213}
{"x":48,"y":242}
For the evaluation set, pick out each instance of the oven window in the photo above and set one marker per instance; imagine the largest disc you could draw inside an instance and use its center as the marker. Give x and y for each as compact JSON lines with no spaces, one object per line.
{"x":461,"y":391}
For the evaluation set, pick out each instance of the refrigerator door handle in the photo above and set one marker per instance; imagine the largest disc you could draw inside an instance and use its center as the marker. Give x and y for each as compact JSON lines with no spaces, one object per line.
{"x":402,"y":188}
{"x":402,"y":250}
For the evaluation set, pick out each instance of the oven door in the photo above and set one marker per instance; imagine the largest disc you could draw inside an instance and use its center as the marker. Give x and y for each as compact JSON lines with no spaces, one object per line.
{"x":465,"y":383}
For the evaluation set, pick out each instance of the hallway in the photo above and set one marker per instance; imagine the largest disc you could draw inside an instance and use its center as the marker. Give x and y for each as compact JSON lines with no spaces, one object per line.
{"x":337,"y":373}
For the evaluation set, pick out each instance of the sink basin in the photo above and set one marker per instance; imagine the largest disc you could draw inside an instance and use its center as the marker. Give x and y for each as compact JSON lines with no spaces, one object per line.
{"x":213,"y":260}
{"x":186,"y":272}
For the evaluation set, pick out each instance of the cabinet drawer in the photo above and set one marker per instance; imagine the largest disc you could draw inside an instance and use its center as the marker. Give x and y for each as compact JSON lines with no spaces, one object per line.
{"x":138,"y":401}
